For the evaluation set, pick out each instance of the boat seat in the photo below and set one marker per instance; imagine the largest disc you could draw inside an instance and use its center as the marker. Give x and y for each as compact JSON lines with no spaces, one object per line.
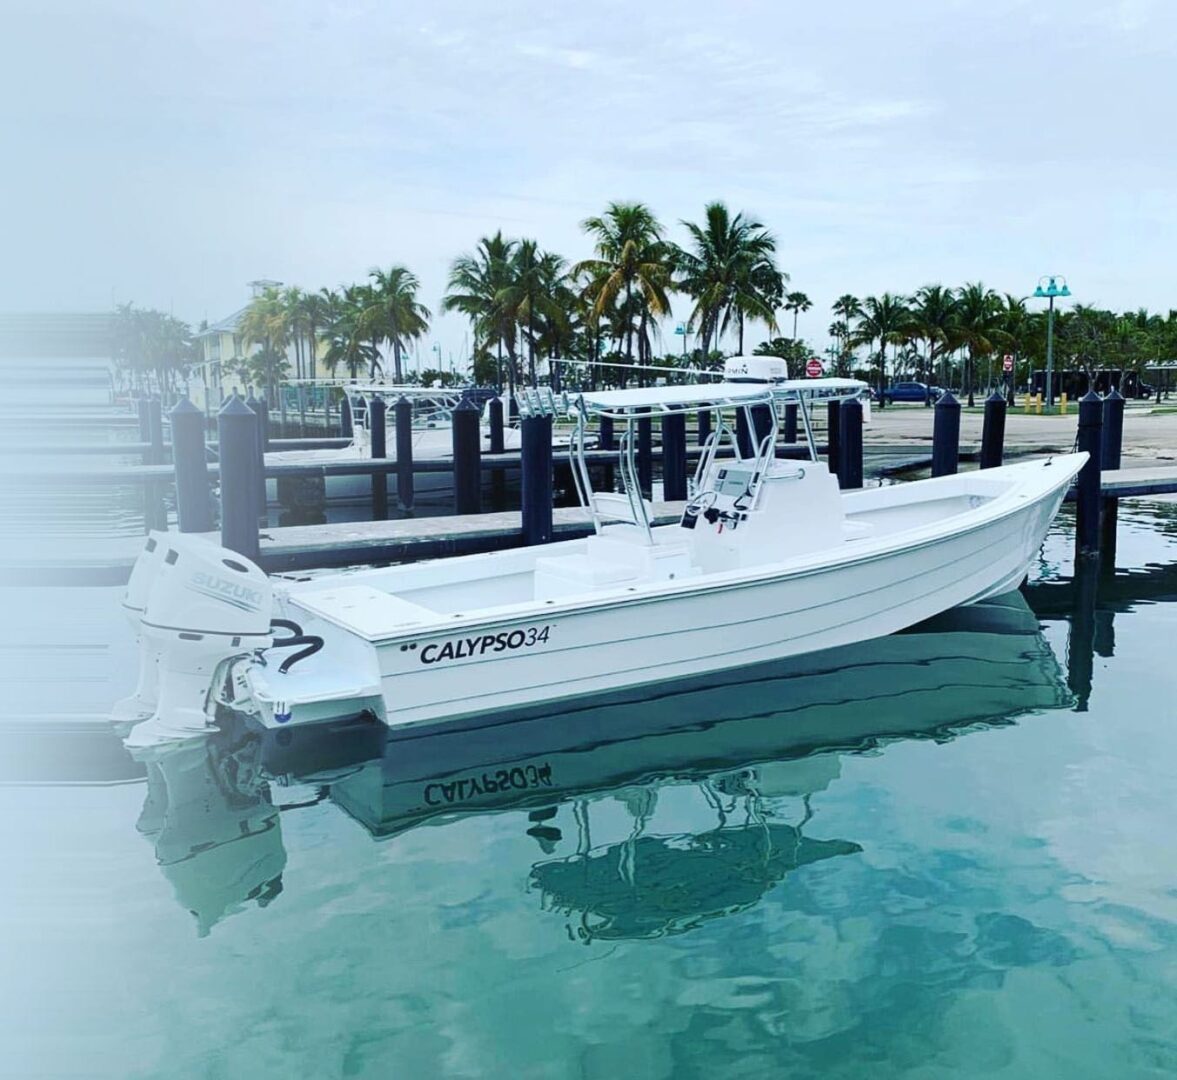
{"x":857,"y":530}
{"x":610,"y":506}
{"x":557,"y":576}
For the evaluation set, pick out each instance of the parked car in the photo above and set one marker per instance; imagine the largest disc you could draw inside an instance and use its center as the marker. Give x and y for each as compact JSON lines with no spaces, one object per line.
{"x":909,"y":391}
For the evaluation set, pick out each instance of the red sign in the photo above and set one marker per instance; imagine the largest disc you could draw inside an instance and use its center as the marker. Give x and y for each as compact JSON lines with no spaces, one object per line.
{"x":814,"y":369}
{"x":1007,"y":363}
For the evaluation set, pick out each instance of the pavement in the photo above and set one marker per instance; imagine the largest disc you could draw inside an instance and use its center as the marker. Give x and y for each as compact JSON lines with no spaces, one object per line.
{"x":1150,"y":437}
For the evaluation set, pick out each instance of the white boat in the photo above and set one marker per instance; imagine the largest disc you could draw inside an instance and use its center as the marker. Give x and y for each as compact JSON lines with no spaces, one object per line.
{"x":769,"y":560}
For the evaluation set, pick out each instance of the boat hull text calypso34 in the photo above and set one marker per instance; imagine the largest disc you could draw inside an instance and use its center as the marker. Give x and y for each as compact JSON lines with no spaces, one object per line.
{"x":770,"y":559}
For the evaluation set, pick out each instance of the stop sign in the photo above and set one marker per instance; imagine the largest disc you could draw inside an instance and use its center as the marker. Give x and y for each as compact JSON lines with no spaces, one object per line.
{"x":814,"y":369}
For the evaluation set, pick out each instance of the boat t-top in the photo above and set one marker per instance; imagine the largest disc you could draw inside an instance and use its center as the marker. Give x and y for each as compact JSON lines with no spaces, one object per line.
{"x":768,"y":558}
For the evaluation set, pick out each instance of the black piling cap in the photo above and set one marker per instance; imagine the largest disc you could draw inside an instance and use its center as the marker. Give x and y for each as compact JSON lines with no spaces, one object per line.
{"x":947,"y":401}
{"x":1113,"y":395}
{"x":184,"y":407}
{"x":235,"y":406}
{"x":996,"y":398}
{"x":465,"y":405}
{"x":1090,"y":397}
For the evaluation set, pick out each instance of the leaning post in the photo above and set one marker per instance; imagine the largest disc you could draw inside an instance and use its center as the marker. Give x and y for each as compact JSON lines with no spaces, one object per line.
{"x":993,"y":431}
{"x":193,"y":509}
{"x":1087,"y":493}
{"x":467,"y":439}
{"x":378,"y":445}
{"x":238,"y":439}
{"x":850,"y":451}
{"x":536,"y":468}
{"x":1113,"y":439}
{"x":946,"y":435}
{"x":404,"y":453}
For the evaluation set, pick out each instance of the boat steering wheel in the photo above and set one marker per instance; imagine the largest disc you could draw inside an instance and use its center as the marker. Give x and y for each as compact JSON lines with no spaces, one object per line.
{"x":700,"y":503}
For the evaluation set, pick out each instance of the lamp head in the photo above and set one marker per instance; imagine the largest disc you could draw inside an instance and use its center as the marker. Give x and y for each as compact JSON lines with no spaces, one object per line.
{"x":1038,"y":292}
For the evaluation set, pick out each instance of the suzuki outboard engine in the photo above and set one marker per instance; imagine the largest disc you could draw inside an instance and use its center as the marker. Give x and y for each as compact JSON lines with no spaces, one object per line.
{"x":207,"y":605}
{"x":141,"y":704}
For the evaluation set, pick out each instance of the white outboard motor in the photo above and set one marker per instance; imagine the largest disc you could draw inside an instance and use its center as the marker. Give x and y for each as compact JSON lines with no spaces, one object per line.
{"x":208,"y":604}
{"x":141,"y":704}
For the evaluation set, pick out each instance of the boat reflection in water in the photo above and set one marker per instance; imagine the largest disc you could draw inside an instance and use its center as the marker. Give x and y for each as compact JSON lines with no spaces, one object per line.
{"x":210,"y":811}
{"x":688,"y":789}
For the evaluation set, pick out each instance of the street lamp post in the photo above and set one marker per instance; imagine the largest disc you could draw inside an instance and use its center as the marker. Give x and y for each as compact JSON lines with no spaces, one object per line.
{"x":1050,"y":286}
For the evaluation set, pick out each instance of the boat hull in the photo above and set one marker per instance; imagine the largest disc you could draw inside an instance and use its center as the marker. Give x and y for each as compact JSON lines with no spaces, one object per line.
{"x":629,"y":638}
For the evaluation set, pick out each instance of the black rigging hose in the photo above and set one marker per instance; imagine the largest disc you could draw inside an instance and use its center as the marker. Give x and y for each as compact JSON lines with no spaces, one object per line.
{"x":312,"y":642}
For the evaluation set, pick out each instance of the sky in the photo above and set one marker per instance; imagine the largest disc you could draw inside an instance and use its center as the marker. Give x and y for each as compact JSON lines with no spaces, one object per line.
{"x":167,"y":154}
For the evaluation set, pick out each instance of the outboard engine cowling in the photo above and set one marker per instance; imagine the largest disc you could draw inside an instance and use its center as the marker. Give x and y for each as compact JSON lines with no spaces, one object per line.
{"x":141,"y":704}
{"x":207,"y":605}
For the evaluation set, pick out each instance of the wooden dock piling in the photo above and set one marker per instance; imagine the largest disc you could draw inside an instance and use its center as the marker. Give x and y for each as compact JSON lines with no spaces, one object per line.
{"x":946,"y":435}
{"x":237,"y":436}
{"x":993,"y":431}
{"x":193,"y":508}
{"x":536,"y":467}
{"x":404,"y":453}
{"x":850,"y":450}
{"x":674,"y":456}
{"x":377,"y":411}
{"x":1112,"y":442}
{"x":466,"y":432}
{"x":1087,"y":496}
{"x":833,"y":436}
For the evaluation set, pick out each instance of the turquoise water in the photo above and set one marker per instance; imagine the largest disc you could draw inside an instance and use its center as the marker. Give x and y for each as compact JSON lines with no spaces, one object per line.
{"x":947,"y":853}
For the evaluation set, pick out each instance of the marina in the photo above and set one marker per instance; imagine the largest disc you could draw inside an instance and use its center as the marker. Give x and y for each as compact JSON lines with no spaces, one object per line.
{"x":588,"y":543}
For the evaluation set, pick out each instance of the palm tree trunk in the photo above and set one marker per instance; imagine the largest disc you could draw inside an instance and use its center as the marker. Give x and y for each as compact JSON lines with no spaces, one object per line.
{"x":396,"y":361}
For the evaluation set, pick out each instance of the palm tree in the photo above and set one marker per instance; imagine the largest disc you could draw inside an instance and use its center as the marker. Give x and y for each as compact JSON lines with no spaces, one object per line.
{"x":264,"y":323}
{"x":632,"y":270}
{"x":316,"y":315}
{"x":846,"y":309}
{"x":729,"y":271}
{"x":796,"y":302}
{"x":527,"y":299}
{"x":348,"y":340}
{"x":934,"y":311}
{"x":398,"y":316}
{"x":884,"y":319}
{"x":295,"y":320}
{"x":978,"y":326}
{"x":474,"y":285}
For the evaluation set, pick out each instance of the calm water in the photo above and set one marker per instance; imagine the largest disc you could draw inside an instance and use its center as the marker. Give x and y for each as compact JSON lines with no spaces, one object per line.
{"x":946,"y":853}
